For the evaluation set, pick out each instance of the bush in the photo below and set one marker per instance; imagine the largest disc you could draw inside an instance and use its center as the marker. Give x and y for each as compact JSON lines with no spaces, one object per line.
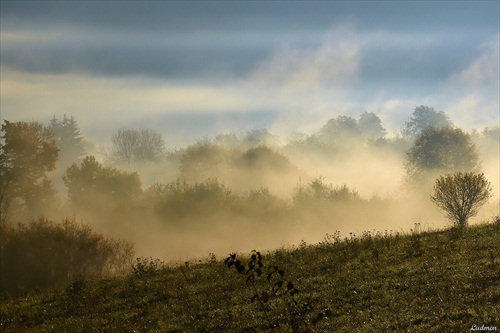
{"x":318,"y":192}
{"x":44,"y":254}
{"x":460,"y":195}
{"x":179,"y":199}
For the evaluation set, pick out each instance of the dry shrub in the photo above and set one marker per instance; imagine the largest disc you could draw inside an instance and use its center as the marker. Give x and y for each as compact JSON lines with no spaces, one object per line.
{"x":44,"y":254}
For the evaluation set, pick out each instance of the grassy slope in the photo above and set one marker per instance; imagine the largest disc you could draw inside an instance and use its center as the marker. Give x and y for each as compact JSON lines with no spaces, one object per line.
{"x":430,"y":281}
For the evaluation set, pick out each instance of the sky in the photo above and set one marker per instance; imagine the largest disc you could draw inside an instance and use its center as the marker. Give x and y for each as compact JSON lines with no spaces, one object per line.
{"x":193,"y":69}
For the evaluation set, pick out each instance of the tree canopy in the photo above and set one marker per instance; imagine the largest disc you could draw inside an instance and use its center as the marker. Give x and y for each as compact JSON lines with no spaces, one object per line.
{"x":91,"y":185}
{"x":205,"y":160}
{"x":339,"y":129}
{"x":68,"y":138}
{"x":440,"y":150}
{"x":370,"y":126}
{"x":422,"y":118}
{"x":28,"y":152}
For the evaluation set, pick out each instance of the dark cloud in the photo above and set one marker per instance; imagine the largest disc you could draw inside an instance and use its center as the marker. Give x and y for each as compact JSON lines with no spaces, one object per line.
{"x":414,"y":70}
{"x":390,"y":56}
{"x":186,"y":15}
{"x":220,"y":39}
{"x":133,"y":57}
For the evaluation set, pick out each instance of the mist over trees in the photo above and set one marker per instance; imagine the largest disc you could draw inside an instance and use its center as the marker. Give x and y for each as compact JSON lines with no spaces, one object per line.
{"x":96,"y":188}
{"x":317,"y":192}
{"x":337,"y":131}
{"x":246,"y":182}
{"x":339,"y":136}
{"x":253,"y":161}
{"x":422,"y":118}
{"x":242,"y":162}
{"x":132,"y":146}
{"x":370,"y":126}
{"x":71,"y":145}
{"x":437,"y":151}
{"x":69,"y":139}
{"x":28,"y":153}
{"x":204,"y":160}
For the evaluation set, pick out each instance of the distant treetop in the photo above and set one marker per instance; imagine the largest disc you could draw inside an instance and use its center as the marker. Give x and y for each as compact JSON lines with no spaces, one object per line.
{"x":422,"y":118}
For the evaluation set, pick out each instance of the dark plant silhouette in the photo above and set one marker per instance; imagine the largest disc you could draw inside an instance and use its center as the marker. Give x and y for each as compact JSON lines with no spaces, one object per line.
{"x":277,"y":296}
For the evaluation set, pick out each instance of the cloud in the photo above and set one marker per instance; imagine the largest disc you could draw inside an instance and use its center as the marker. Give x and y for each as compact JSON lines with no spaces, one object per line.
{"x":310,"y":85}
{"x":133,"y":79}
{"x":126,"y":97}
{"x":301,"y":87}
{"x":392,"y":111}
{"x":474,"y":96}
{"x":485,"y":69}
{"x":186,"y":110}
{"x":334,"y":63}
{"x":474,"y":110}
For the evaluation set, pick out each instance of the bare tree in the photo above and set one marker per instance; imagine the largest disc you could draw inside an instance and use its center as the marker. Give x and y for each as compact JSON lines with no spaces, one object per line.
{"x":137,"y":146}
{"x":461,"y":195}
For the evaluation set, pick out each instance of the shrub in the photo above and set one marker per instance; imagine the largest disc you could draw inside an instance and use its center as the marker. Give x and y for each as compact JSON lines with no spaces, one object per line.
{"x":147,"y":266}
{"x":317,"y":192}
{"x":460,"y":195}
{"x":180,"y":199}
{"x":95,"y":187}
{"x":44,"y":254}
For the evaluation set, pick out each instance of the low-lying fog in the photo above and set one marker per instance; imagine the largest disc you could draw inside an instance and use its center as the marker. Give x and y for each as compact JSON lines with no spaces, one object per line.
{"x":244,"y":191}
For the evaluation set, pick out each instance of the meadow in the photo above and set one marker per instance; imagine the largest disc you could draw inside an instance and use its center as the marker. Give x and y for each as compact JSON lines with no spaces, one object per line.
{"x":335,"y":231}
{"x":378,"y":281}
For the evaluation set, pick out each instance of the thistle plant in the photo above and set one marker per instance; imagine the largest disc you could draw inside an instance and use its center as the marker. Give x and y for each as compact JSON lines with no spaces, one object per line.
{"x":278,"y":296}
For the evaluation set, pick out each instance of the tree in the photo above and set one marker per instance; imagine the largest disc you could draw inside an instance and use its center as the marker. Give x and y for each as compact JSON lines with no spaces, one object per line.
{"x":259,"y":137}
{"x":93,"y":186}
{"x":263,"y":158}
{"x":228,"y":140}
{"x":205,"y":160}
{"x":339,"y":130}
{"x":179,"y":199}
{"x":370,"y":126}
{"x":460,"y":195}
{"x":437,"y":151}
{"x":488,"y":142}
{"x":131,"y":146}
{"x":71,"y":147}
{"x":68,"y":139}
{"x":28,"y":152}
{"x":422,"y":118}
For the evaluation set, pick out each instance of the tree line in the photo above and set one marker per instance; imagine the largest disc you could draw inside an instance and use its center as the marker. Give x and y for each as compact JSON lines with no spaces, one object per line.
{"x":226,"y":177}
{"x":32,"y":155}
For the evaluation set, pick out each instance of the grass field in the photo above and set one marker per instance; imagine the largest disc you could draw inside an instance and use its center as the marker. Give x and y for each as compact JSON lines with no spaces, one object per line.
{"x":422,"y":281}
